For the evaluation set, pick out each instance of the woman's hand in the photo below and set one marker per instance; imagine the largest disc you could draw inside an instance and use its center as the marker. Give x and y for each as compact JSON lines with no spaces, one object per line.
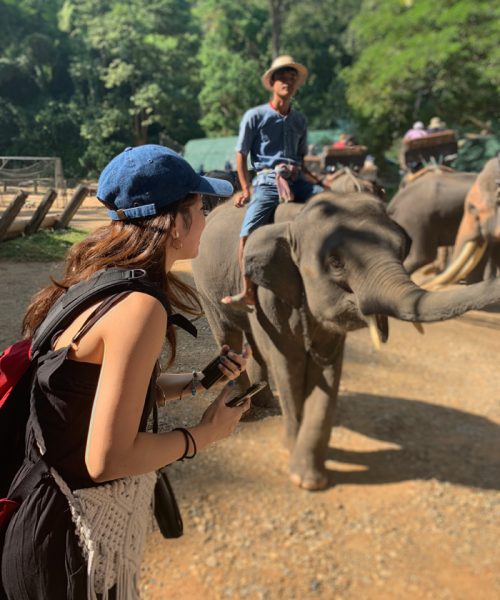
{"x":232,"y":364}
{"x":223,"y":419}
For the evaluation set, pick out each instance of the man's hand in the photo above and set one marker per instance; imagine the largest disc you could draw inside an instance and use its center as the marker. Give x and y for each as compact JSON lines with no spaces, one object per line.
{"x":241,"y":199}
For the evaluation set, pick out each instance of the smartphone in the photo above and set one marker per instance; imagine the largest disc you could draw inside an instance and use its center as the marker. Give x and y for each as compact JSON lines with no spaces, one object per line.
{"x":251,"y":391}
{"x":211,"y":373}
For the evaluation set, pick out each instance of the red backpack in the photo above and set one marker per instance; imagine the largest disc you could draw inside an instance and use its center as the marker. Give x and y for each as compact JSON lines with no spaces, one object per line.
{"x":18,"y":363}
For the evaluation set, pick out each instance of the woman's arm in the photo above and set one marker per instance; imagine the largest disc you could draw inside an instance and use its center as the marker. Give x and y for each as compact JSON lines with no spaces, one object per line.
{"x":244,"y":177}
{"x":114,"y":446}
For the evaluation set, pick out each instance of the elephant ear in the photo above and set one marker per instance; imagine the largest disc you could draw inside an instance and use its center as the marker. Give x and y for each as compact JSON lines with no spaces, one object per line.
{"x":269,"y":263}
{"x":406,"y":238}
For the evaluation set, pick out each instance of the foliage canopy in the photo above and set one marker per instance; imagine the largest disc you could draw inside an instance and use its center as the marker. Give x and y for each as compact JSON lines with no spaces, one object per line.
{"x":82,"y":79}
{"x":419,"y":58}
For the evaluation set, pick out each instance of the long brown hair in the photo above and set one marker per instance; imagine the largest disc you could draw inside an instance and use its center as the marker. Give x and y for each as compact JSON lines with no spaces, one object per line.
{"x":137,"y":243}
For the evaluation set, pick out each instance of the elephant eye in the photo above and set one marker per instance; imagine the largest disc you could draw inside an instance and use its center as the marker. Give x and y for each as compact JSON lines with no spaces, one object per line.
{"x":335,"y":263}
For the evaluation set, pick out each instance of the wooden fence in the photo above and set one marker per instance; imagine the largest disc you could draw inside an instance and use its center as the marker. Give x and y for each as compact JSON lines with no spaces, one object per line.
{"x":40,"y":219}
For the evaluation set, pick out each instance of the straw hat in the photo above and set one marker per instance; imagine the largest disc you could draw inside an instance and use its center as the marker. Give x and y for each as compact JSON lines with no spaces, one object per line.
{"x":283,"y":62}
{"x":436,"y":123}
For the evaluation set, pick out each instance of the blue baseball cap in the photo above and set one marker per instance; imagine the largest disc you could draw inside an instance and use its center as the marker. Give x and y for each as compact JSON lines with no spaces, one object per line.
{"x":146,"y":180}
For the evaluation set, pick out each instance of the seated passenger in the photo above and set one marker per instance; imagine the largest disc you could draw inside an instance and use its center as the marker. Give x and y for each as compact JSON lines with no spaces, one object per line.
{"x":436,"y":125}
{"x":345,"y":139}
{"x":417,"y":131}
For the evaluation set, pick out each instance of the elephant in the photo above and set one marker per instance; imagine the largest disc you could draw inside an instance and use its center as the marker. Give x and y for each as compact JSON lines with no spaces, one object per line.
{"x":210,"y":202}
{"x":430,"y":210}
{"x":480,"y":223}
{"x":346,"y":180}
{"x":476,"y":253}
{"x":330,"y":266}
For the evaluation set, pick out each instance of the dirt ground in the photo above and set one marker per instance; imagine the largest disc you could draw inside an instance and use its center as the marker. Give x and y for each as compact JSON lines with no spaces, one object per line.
{"x":413,"y":508}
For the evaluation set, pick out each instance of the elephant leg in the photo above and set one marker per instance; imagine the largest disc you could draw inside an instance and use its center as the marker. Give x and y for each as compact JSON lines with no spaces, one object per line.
{"x":443,"y":257}
{"x":307,"y":461}
{"x":289,"y":375}
{"x":493,"y":267}
{"x":478,"y":272}
{"x":224,"y":333}
{"x":423,"y":252}
{"x":257,"y":371}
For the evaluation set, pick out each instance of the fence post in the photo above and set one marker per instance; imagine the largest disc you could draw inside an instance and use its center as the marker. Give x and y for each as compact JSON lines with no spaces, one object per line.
{"x":11,"y":212}
{"x":74,"y":204}
{"x":40,"y":212}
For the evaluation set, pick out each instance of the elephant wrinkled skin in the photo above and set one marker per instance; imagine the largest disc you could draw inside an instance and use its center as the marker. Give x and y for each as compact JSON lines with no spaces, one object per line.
{"x":322,"y":269}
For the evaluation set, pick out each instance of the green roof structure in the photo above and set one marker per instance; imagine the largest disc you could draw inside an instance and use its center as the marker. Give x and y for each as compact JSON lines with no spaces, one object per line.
{"x":211,"y":154}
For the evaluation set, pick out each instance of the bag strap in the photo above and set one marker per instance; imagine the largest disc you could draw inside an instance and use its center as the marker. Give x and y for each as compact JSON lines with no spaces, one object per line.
{"x":96,"y":314}
{"x":101,"y":285}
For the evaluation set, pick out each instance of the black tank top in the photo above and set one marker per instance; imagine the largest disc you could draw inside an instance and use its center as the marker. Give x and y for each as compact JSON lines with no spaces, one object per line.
{"x":63,"y":392}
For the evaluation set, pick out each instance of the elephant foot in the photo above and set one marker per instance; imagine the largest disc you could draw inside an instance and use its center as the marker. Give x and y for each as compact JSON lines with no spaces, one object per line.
{"x":312,"y":482}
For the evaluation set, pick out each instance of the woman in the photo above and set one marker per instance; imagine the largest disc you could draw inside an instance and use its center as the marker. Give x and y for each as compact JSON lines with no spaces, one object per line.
{"x":90,"y":390}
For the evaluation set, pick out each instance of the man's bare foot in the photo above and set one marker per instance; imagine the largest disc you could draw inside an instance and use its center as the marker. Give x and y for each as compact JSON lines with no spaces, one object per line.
{"x":246,"y":297}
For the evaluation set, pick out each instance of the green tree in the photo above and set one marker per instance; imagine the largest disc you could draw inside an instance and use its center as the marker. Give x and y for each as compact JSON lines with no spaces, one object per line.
{"x":34,"y":82}
{"x":315,"y":33}
{"x":233,"y":54}
{"x":135,"y":71}
{"x":238,"y":44}
{"x":418,"y":58}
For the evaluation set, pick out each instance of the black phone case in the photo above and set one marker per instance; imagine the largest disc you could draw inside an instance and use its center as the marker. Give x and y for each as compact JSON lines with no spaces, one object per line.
{"x":211,"y":373}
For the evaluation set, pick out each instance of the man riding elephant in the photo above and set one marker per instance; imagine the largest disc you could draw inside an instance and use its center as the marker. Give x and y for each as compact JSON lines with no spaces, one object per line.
{"x":275,"y":136}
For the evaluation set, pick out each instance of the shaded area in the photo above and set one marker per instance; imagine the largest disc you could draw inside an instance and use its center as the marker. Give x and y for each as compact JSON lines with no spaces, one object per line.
{"x":435,"y":442}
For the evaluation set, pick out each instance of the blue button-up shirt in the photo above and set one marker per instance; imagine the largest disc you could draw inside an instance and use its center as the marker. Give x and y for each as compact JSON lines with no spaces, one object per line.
{"x":271,"y":138}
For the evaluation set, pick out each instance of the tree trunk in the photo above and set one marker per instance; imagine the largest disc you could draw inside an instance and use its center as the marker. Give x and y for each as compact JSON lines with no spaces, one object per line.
{"x":277,"y":9}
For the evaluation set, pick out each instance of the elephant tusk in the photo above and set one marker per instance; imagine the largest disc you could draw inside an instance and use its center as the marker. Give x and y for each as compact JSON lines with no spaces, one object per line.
{"x":471,"y":263}
{"x":454,"y":269}
{"x":374,"y":332}
{"x":419,"y":327}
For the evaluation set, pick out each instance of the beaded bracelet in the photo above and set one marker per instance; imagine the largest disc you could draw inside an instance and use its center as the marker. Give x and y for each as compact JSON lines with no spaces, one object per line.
{"x":192,"y":383}
{"x":187,"y":437}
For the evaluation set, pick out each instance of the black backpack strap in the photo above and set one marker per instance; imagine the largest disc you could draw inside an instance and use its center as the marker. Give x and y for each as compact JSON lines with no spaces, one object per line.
{"x":107,"y":304}
{"x":101,"y":285}
{"x":180,"y":321}
{"x":96,"y":314}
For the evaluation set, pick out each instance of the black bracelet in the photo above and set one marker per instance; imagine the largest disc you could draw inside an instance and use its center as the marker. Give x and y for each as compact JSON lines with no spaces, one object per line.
{"x":187,"y":437}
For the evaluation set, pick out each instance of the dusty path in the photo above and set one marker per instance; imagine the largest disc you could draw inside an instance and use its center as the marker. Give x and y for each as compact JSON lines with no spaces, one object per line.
{"x":414,"y":507}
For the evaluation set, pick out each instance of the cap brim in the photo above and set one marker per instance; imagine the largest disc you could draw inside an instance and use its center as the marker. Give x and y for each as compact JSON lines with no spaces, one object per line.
{"x":212,"y":186}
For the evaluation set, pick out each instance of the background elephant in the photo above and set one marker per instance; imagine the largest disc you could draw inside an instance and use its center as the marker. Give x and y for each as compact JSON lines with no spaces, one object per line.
{"x":346,"y":180}
{"x":323,"y":269}
{"x":481,"y":219}
{"x":430,"y":210}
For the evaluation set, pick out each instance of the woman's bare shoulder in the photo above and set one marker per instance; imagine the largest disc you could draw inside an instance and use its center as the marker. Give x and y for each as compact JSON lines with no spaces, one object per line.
{"x":138,"y":312}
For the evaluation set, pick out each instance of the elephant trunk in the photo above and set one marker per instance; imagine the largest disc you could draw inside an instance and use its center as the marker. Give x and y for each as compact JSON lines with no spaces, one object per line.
{"x":394,"y":294}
